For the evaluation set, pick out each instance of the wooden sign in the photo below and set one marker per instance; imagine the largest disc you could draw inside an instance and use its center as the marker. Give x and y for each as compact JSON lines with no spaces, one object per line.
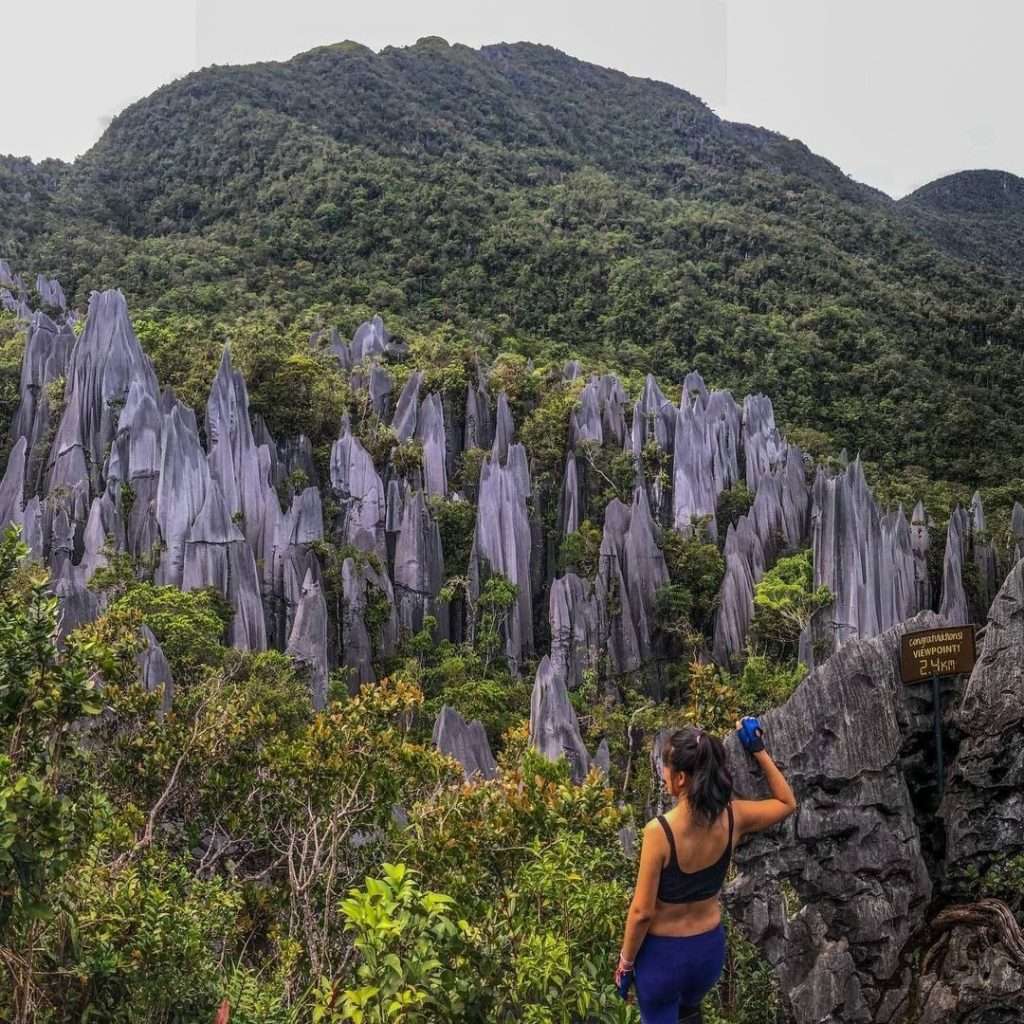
{"x":930,"y":653}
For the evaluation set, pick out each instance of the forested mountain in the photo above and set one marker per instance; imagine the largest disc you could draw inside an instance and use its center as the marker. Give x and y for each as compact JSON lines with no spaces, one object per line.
{"x":975,"y":215}
{"x":539,"y":203}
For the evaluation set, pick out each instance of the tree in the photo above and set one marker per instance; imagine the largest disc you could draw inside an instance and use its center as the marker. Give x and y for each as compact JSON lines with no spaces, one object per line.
{"x":785,"y":601}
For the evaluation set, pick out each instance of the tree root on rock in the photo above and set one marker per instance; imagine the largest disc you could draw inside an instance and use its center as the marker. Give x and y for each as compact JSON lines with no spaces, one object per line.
{"x":991,"y":914}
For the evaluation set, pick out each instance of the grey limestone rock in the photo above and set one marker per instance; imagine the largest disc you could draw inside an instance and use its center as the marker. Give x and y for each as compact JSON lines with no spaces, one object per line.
{"x":359,"y":492}
{"x":631,"y":572}
{"x":920,"y":541}
{"x":478,"y":431}
{"x":984,"y":556}
{"x":62,"y":542}
{"x":336,"y":345}
{"x":404,"y":421}
{"x":867,"y":562}
{"x":104,"y":363}
{"x":291,"y":559}
{"x":218,"y":555}
{"x":954,"y":598}
{"x":12,"y":488}
{"x":983,"y":808}
{"x":695,"y":491}
{"x":104,"y":525}
{"x":181,"y":493}
{"x":614,"y":401}
{"x":381,"y":385}
{"x":419,"y":567}
{"x":695,"y":392}
{"x":654,"y":418}
{"x":575,"y":615}
{"x":600,"y":417}
{"x":431,"y":434}
{"x":833,"y":895}
{"x":603,"y":758}
{"x":307,"y":644}
{"x":77,"y":603}
{"x":394,"y":506}
{"x":240,"y":467}
{"x":970,"y":975}
{"x":504,"y":429}
{"x":502,"y":544}
{"x":898,"y":595}
{"x":466,"y":742}
{"x":795,"y":501}
{"x":50,"y":292}
{"x":776,"y":523}
{"x":570,"y":503}
{"x":763,"y":446}
{"x":365,"y":586}
{"x":304,"y":522}
{"x":554,"y":729}
{"x":1017,"y":529}
{"x":744,"y":566}
{"x":33,"y":528}
{"x":370,"y":340}
{"x":724,"y":419}
{"x":154,"y":669}
{"x":47,"y":351}
{"x":292,"y":456}
{"x":134,"y":465}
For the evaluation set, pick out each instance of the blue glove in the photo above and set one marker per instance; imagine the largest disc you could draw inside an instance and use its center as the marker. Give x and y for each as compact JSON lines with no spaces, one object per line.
{"x":627,"y":980}
{"x":751,"y":735}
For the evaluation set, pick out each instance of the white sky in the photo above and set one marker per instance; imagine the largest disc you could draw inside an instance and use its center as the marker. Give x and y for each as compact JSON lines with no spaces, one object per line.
{"x":897,"y":92}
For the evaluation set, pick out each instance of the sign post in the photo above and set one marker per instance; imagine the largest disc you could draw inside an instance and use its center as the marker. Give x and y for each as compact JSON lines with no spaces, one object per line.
{"x":931,"y":654}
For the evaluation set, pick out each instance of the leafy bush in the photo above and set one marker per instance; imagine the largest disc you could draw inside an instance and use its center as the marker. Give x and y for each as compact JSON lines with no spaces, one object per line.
{"x":785,"y":600}
{"x":697,"y":566}
{"x":412,"y":967}
{"x":533,"y":863}
{"x":189,"y":625}
{"x":581,"y":551}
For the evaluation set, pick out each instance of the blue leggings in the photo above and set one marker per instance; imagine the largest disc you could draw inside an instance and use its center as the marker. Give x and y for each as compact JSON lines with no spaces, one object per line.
{"x":673,"y":973}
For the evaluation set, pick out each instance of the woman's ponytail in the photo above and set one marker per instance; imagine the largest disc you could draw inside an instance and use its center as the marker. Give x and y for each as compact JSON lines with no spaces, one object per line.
{"x":702,"y":757}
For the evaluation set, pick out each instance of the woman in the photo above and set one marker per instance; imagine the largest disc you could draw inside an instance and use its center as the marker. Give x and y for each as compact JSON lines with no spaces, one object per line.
{"x":674,"y":943}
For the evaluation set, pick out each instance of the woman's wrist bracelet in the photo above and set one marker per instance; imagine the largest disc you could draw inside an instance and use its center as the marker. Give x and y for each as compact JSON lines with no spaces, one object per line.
{"x":623,"y":962}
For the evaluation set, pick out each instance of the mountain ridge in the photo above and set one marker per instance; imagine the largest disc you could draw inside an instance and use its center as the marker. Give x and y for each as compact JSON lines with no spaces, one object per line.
{"x":977,"y":215}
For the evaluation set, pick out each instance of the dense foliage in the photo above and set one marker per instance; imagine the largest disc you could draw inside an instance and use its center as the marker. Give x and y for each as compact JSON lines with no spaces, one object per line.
{"x":301,"y":866}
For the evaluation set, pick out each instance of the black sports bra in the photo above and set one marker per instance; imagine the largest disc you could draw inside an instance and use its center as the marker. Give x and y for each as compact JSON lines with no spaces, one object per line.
{"x":678,"y":886}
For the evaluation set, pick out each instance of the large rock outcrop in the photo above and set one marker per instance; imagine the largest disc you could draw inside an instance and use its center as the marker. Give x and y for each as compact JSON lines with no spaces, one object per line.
{"x":466,"y":742}
{"x":46,"y":359}
{"x":865,"y":559}
{"x":104,"y":364}
{"x":307,"y":644}
{"x":631,"y":572}
{"x":112,"y":463}
{"x":503,"y":540}
{"x":776,"y":523}
{"x":833,"y":895}
{"x":217,"y":555}
{"x":983,"y":807}
{"x":419,"y":567}
{"x":554,"y":729}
